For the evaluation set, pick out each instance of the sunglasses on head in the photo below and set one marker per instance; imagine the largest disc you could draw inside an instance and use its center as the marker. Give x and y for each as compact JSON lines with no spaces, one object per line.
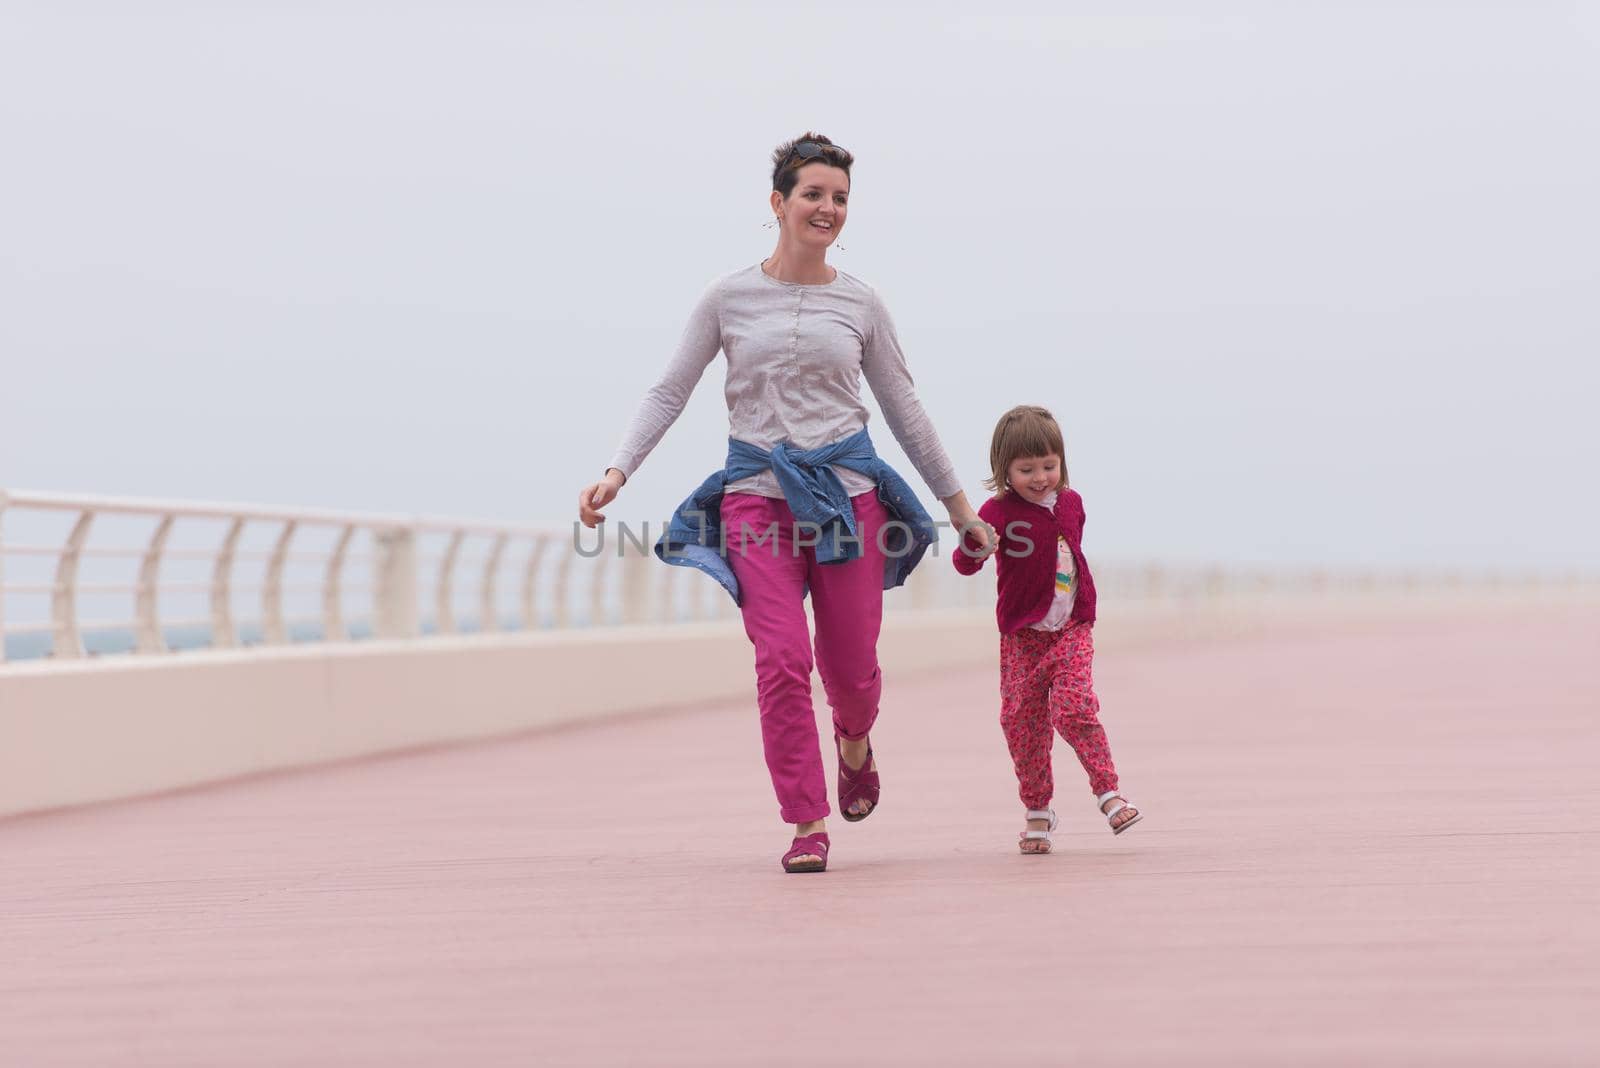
{"x":809,"y":150}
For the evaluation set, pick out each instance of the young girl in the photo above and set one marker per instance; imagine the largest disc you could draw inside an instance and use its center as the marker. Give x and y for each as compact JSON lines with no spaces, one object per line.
{"x":1046,"y":617}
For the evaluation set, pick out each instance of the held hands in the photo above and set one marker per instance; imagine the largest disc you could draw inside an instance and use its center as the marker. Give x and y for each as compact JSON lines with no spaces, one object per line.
{"x":973,"y":531}
{"x":597,"y":495}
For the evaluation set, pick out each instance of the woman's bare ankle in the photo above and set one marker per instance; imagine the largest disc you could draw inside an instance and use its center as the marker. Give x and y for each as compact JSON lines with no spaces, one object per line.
{"x":855,"y":752}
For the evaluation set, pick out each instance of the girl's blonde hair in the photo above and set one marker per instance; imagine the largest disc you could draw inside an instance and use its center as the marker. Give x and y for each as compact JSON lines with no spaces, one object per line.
{"x":1026,"y":430}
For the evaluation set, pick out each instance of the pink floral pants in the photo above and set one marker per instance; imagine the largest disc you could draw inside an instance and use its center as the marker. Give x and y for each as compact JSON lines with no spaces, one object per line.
{"x":1046,"y":681}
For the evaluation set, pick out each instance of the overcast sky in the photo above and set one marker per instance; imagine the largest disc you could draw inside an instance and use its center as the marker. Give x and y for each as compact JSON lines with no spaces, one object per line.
{"x":1306,"y":283}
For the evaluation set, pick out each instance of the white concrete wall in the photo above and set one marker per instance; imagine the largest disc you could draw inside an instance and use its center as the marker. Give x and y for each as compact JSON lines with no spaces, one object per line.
{"x":112,"y":727}
{"x":84,"y":731}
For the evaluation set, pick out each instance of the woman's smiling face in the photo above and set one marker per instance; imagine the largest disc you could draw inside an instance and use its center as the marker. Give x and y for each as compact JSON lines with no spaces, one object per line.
{"x":814,"y":213}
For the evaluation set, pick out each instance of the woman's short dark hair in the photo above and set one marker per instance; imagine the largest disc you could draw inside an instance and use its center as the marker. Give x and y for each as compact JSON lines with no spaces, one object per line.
{"x":786,"y":163}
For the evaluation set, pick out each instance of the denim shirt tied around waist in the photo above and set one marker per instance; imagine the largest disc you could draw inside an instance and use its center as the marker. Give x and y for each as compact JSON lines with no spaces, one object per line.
{"x":815,"y":495}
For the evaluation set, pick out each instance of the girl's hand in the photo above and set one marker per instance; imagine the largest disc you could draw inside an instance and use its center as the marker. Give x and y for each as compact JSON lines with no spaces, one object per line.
{"x":597,"y":495}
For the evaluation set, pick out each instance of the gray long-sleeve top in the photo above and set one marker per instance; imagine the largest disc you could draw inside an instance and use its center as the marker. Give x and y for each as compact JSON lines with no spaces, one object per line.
{"x":796,"y":355}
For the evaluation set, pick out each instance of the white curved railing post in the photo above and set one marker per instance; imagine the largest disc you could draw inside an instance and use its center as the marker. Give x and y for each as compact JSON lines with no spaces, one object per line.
{"x":488,"y":619}
{"x":663,"y":594}
{"x":333,"y":629}
{"x":224,"y":635}
{"x":605,"y":567}
{"x":394,"y":583}
{"x":65,"y":640}
{"x":444,"y":612}
{"x":146,"y":602}
{"x":530,"y":580}
{"x":636,"y":587}
{"x":921,"y":592}
{"x":274,"y":630}
{"x":634,"y":573}
{"x":559,"y":595}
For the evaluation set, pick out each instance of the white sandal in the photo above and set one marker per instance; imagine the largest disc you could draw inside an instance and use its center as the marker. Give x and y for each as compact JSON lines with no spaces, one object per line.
{"x":1038,"y":836}
{"x":1116,"y":828}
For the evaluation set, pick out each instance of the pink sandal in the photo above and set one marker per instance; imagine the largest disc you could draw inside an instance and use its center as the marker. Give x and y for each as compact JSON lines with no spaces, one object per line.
{"x":856,"y":784}
{"x":813,"y":845}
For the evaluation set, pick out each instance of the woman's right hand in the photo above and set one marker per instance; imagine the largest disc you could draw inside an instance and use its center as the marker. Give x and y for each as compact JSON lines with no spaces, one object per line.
{"x":597,"y":495}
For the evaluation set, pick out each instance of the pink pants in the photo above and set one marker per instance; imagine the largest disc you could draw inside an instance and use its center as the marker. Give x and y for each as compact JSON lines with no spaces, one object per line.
{"x":847,"y":602}
{"x":1046,"y":680}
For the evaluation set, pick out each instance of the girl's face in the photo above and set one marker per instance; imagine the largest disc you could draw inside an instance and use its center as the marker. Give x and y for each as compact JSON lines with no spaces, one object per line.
{"x":813,"y":214}
{"x":1035,"y":477}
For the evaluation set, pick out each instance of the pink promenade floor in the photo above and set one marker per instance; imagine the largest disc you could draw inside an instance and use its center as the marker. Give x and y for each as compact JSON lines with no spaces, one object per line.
{"x":1371,"y":845}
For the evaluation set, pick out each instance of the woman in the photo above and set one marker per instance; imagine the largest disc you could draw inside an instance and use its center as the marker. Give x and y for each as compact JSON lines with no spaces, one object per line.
{"x":798,"y":336}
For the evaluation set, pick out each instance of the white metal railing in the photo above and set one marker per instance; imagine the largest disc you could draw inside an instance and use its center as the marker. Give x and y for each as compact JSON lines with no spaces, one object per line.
{"x":527,"y":576}
{"x":556,"y":585}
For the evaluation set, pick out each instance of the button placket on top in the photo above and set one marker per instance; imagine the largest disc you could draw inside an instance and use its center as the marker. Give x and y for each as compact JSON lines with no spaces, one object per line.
{"x":792,"y":372}
{"x":794,"y":336}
